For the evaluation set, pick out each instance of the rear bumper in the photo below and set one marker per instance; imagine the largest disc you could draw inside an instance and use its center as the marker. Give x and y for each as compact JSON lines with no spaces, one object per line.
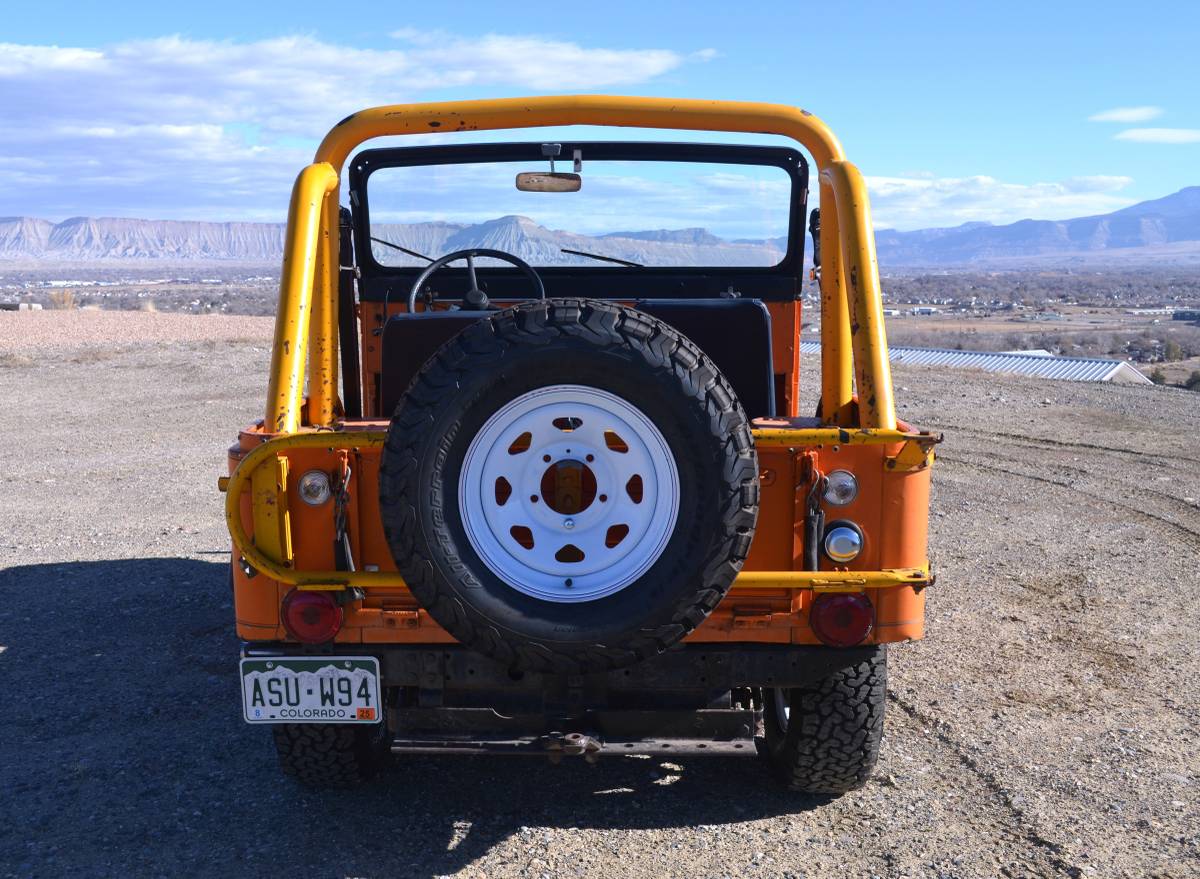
{"x":705,"y":732}
{"x":694,"y":700}
{"x":451,"y":673}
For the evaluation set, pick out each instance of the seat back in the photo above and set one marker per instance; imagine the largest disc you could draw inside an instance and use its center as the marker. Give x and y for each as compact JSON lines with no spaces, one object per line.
{"x":734,"y":333}
{"x":409,"y":340}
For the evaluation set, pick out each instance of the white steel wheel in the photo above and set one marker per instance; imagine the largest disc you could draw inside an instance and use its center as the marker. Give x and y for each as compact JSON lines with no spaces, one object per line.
{"x":569,"y":493}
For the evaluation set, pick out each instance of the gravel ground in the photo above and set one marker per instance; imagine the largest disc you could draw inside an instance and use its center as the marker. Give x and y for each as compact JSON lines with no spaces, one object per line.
{"x":28,"y":334}
{"x":1047,"y":726}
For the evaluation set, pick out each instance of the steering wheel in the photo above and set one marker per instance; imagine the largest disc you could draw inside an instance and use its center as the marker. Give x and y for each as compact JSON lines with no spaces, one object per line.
{"x":474,"y":297}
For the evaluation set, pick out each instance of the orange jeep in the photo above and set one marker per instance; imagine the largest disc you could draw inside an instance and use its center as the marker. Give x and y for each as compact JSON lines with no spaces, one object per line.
{"x":566,"y":501}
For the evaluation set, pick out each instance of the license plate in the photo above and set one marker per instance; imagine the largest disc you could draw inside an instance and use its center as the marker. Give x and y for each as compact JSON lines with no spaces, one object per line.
{"x":326,"y":689}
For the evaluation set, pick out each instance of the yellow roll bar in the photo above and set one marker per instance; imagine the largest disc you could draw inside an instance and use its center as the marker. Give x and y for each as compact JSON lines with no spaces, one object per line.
{"x":851,"y":316}
{"x":837,"y":386}
{"x":860,"y":275}
{"x":293,"y":316}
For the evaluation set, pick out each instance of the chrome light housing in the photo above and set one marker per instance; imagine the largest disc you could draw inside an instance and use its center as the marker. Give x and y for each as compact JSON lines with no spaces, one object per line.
{"x":843,"y":542}
{"x":841,"y":488}
{"x":314,"y":487}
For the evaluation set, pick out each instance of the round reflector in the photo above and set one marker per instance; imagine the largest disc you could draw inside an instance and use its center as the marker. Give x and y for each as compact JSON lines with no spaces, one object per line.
{"x":841,"y":619}
{"x":311,"y":617}
{"x":843,"y":542}
{"x":840,"y":488}
{"x":314,"y":487}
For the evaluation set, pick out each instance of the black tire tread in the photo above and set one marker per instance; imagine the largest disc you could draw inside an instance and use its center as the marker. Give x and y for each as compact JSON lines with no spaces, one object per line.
{"x":834,"y":731}
{"x":328,"y":755}
{"x":605,"y":325}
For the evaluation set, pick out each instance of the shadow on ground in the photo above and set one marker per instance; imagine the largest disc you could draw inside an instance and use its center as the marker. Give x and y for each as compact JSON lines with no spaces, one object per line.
{"x":126,"y":753}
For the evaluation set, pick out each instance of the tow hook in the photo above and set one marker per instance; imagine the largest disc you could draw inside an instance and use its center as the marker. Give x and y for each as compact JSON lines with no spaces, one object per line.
{"x":558,"y":745}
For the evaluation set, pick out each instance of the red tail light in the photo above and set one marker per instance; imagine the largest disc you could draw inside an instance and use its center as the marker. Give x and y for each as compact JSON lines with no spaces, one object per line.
{"x":842,"y":619}
{"x":311,"y":617}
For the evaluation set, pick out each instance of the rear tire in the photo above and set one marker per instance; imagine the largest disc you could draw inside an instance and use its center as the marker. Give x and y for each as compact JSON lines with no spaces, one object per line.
{"x":824,"y":738}
{"x":604,"y":351}
{"x":331,"y":755}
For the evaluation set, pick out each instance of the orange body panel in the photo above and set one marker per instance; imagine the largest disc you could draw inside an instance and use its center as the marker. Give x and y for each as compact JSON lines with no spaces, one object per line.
{"x":891,"y":509}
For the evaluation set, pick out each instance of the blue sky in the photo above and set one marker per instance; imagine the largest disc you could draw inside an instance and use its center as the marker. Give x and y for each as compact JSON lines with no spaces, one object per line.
{"x":954,"y":111}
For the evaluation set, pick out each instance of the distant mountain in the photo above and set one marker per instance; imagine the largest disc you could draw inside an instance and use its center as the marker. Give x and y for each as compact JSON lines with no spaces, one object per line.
{"x":109,"y":239}
{"x":1162,"y":231}
{"x":673,"y":236}
{"x":86,"y":238}
{"x":1166,"y":227}
{"x":541,"y":246}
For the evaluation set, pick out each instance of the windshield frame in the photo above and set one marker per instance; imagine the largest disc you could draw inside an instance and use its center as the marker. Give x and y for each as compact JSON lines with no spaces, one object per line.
{"x":781,"y":281}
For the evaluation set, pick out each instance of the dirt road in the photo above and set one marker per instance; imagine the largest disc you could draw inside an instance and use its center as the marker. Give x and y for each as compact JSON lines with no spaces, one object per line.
{"x":1047,"y":727}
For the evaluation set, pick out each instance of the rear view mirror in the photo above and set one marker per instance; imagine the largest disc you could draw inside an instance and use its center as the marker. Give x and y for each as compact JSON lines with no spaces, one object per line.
{"x":548,"y":181}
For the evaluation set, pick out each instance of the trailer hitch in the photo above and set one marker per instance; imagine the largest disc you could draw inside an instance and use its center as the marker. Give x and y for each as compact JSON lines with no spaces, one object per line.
{"x":559,"y":745}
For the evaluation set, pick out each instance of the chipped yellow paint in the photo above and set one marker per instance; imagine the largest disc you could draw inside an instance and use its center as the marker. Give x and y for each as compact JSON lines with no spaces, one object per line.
{"x":834,"y":581}
{"x":286,"y":389}
{"x":323,"y":332}
{"x":828,"y":436}
{"x":247,"y":474}
{"x":872,"y":371}
{"x":913,"y":455}
{"x":837,"y":385}
{"x":269,"y":501}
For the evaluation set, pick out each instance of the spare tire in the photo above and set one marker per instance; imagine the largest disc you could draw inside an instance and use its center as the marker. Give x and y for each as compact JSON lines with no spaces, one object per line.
{"x":569,"y":485}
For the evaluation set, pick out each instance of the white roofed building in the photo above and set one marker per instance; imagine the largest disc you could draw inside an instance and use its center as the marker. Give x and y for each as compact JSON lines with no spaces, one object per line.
{"x":1034,"y":363}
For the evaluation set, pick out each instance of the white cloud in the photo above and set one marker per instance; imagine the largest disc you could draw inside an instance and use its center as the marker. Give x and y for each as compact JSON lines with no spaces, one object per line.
{"x":1160,"y":135}
{"x":536,"y":63}
{"x":16,"y":59}
{"x":1127,"y":114}
{"x":1097,"y":183}
{"x":175,"y":127}
{"x":916,"y":202}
